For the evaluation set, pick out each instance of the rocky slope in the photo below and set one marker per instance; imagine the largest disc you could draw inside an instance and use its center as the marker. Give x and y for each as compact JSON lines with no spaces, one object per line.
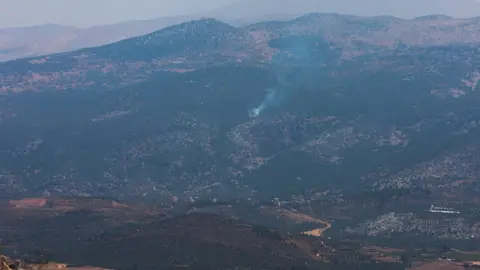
{"x":165,"y":49}
{"x":23,"y":42}
{"x":205,"y":109}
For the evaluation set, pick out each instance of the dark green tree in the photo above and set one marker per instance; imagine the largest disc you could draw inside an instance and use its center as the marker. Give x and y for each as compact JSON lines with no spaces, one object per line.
{"x":406,"y":259}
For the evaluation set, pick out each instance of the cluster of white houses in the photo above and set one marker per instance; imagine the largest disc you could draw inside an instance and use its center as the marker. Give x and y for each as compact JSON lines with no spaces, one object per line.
{"x":436,"y":209}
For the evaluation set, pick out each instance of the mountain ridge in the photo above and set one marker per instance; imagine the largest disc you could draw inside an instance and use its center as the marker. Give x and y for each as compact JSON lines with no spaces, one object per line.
{"x":185,"y":77}
{"x":78,"y":38}
{"x":403,"y":9}
{"x":250,"y":45}
{"x":343,"y":118}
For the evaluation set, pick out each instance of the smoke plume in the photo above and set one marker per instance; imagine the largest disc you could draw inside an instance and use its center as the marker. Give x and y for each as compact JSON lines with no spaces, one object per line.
{"x":294,"y":52}
{"x":273,"y":97}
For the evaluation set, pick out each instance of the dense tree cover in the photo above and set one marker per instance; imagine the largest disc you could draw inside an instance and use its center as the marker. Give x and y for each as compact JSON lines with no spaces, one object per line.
{"x":158,"y":114}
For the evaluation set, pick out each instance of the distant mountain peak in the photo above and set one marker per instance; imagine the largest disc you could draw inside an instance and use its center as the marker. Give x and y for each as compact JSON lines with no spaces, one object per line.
{"x":316,"y":17}
{"x":200,"y":24}
{"x":188,"y":39}
{"x":205,"y":27}
{"x":433,"y":17}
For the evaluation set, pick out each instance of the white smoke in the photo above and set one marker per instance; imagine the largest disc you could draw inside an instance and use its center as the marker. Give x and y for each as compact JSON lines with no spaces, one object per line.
{"x":301,"y":48}
{"x":271,"y":99}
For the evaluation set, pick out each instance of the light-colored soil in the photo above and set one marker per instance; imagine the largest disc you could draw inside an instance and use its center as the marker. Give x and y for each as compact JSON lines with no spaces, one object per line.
{"x":316,"y":232}
{"x":29,"y":203}
{"x":299,"y":218}
{"x":439,"y":265}
{"x":319,"y":231}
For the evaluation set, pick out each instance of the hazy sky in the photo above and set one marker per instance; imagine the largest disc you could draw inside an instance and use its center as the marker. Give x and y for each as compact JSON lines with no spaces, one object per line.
{"x":95,"y":12}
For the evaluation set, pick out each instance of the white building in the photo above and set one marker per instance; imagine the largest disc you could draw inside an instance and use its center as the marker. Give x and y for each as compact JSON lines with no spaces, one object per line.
{"x":435,"y":209}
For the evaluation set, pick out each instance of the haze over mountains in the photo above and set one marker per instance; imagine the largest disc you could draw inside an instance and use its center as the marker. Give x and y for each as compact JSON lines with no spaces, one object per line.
{"x":39,"y":40}
{"x":335,"y":92}
{"x":355,"y":36}
{"x":23,"y":42}
{"x":164,"y":150}
{"x":45,"y":39}
{"x":401,"y":9}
